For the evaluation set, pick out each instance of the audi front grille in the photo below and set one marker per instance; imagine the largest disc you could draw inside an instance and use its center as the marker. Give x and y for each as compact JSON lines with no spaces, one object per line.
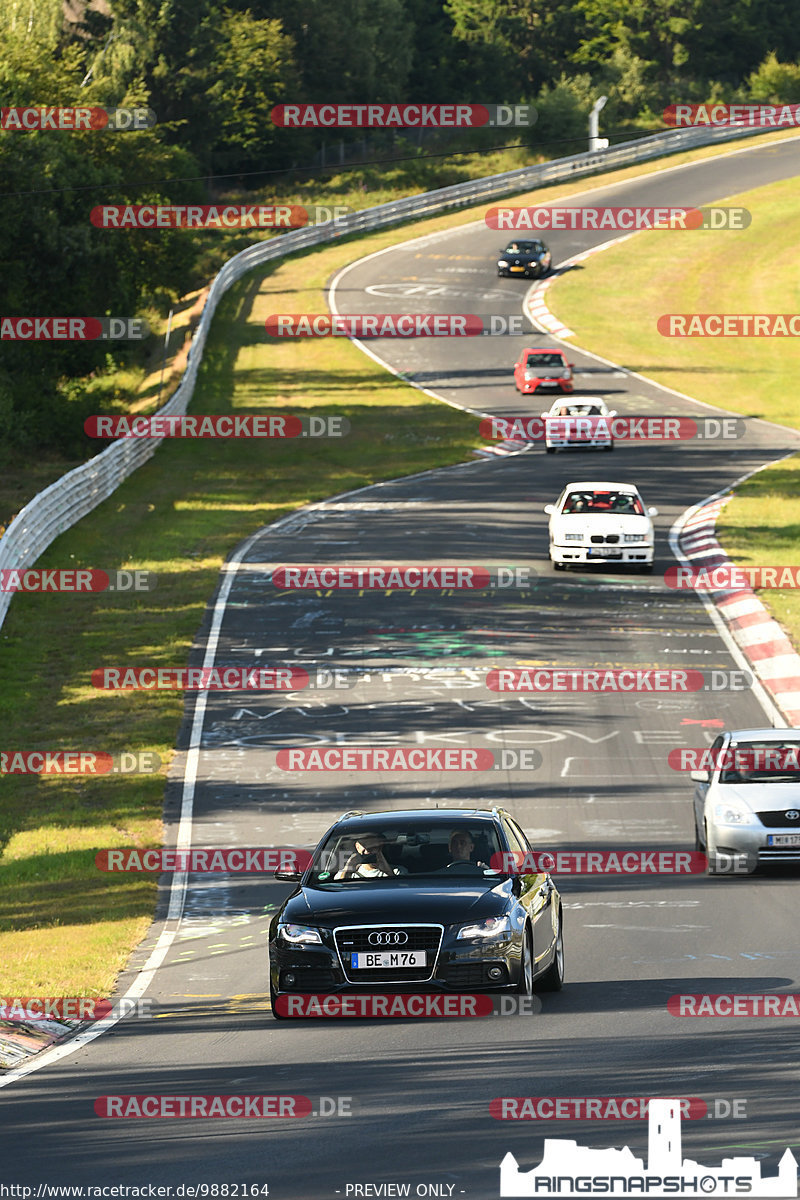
{"x":355,"y":939}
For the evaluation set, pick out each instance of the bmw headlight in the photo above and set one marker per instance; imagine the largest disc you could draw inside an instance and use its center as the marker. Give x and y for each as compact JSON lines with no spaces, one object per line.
{"x":731,"y":814}
{"x":635,"y":537}
{"x":492,"y":927}
{"x":573,"y":537}
{"x":299,"y":935}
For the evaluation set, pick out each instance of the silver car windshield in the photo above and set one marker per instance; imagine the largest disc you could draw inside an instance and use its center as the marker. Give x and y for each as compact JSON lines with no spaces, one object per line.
{"x":761,"y":762}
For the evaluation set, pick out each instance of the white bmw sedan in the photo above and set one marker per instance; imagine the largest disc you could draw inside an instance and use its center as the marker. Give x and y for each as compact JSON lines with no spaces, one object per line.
{"x":578,"y":423}
{"x":601,"y":522}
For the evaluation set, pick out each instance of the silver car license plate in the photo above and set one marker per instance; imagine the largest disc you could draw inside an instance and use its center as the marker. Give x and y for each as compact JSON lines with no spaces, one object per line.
{"x":783,"y":839}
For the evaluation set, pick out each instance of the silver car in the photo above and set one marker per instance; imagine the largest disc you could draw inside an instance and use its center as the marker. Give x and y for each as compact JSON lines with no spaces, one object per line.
{"x":747,"y":803}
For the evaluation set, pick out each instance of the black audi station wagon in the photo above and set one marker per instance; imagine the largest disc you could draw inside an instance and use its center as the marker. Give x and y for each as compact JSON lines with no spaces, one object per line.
{"x":418,"y":900}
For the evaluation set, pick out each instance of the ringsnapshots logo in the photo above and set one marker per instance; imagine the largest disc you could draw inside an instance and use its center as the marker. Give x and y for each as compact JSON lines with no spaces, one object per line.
{"x":216,"y":216}
{"x":759,"y":116}
{"x":398,"y":577}
{"x":364,"y":326}
{"x":626,"y":220}
{"x":568,"y":1169}
{"x":623,"y":429}
{"x":616,"y":679}
{"x":273,"y":425}
{"x":729,"y":325}
{"x":76,"y":580}
{"x":75,"y":120}
{"x":73,"y":329}
{"x":402,"y":116}
{"x":79,"y":762}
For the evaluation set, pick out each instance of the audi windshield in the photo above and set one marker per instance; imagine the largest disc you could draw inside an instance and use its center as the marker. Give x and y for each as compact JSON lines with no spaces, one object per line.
{"x":407,"y":851}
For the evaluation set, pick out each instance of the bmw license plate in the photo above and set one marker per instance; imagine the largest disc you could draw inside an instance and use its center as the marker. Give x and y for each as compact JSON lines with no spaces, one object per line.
{"x":605,"y":552}
{"x":783,"y":839}
{"x":388,"y":958}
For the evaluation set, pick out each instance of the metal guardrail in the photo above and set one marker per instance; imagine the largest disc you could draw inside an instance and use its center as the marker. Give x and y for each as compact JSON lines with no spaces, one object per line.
{"x":63,"y":503}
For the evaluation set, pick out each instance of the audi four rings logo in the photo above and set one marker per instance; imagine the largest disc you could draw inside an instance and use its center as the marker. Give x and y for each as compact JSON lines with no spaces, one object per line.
{"x":388,"y":937}
{"x":792,"y":814}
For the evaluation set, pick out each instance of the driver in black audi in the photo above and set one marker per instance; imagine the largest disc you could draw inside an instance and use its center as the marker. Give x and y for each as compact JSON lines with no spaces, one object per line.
{"x":368,"y":861}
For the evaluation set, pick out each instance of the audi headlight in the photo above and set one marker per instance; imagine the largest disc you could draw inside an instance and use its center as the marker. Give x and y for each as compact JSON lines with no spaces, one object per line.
{"x":300,"y":935}
{"x":573,"y":537}
{"x":635,"y":537}
{"x":731,"y":814}
{"x":492,"y":927}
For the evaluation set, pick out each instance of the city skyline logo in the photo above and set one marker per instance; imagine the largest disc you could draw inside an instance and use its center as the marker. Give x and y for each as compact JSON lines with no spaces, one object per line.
{"x":568,"y":1169}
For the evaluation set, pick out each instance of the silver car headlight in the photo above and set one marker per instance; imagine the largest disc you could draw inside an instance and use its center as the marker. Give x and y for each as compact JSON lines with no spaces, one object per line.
{"x":731,"y":814}
{"x":635,"y":537}
{"x":492,"y":927}
{"x":573,"y":537}
{"x":299,"y":935}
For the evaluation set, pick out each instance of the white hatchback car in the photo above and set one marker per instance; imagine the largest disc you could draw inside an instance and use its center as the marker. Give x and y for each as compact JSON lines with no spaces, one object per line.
{"x":601,"y":522}
{"x":747,"y":802}
{"x":564,"y":428}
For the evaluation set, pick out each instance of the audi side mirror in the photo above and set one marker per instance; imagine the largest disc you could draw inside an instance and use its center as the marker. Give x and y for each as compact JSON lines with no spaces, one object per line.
{"x":288,"y":876}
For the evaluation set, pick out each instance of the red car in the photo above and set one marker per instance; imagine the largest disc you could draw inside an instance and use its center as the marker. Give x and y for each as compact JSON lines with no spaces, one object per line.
{"x":536,"y":369}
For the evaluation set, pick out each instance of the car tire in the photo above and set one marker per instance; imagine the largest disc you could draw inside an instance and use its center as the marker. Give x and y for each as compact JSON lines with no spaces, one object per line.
{"x":711,"y":855}
{"x":698,"y":841}
{"x":272,"y":997}
{"x":610,"y":446}
{"x":553,"y":978}
{"x":557,"y":566}
{"x":525,"y":983}
{"x":550,"y":449}
{"x":646,"y":569}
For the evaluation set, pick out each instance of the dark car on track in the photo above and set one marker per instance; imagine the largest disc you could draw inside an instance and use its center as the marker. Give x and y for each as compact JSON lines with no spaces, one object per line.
{"x":530,"y":260}
{"x":415,"y":901}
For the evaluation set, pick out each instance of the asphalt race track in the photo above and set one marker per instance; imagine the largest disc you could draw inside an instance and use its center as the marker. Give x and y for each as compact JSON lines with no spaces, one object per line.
{"x":419,"y":1091}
